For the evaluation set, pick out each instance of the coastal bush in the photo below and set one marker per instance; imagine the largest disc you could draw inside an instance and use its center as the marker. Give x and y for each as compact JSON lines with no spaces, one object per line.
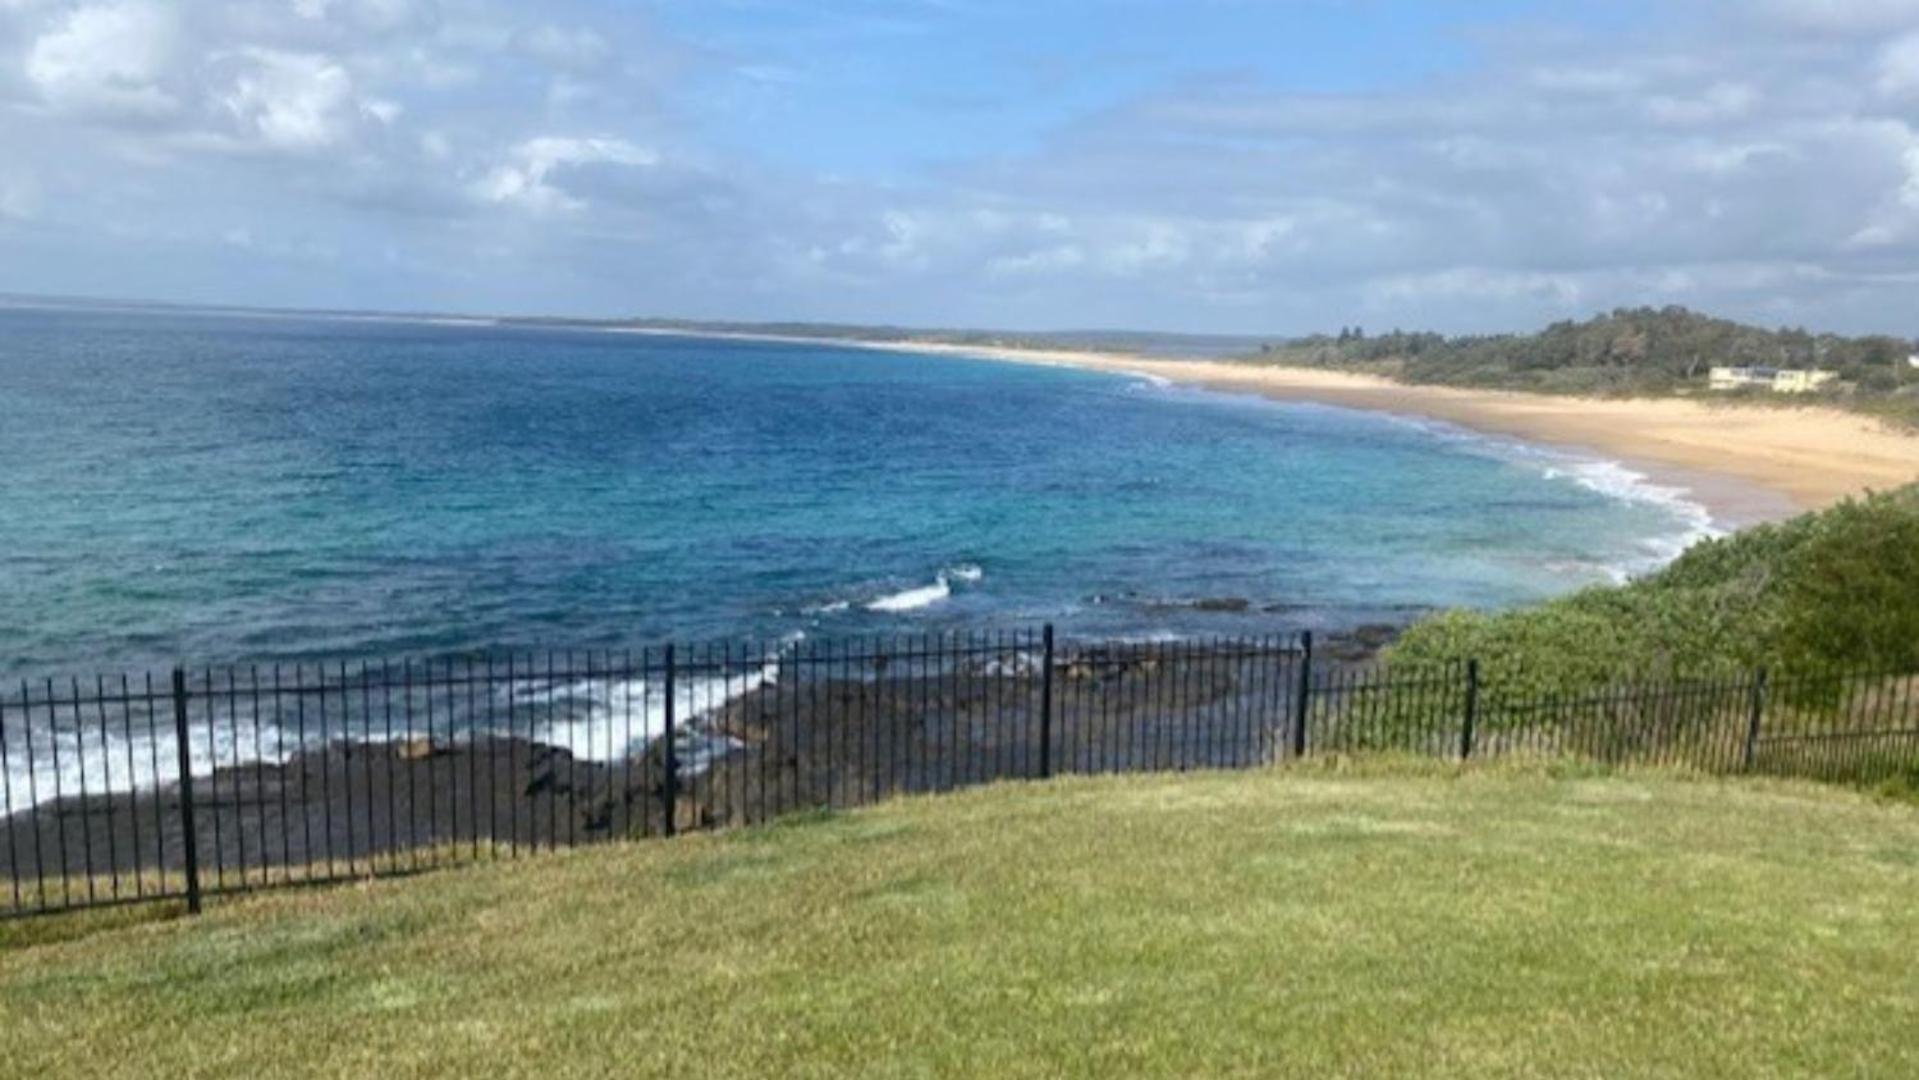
{"x":1833,"y":589}
{"x":1627,"y":352}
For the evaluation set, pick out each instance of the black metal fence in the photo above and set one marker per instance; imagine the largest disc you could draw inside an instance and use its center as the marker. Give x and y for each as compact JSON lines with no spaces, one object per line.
{"x":212,"y":781}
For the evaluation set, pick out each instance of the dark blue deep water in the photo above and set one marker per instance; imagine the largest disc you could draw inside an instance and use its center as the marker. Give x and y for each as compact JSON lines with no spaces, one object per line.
{"x":221,"y":488}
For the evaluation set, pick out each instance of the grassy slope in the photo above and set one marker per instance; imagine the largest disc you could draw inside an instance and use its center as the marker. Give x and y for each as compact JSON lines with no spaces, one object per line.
{"x":1502,"y":922}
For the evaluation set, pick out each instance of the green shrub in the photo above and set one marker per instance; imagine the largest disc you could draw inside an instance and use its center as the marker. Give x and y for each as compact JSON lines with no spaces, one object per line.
{"x":1838,"y":588}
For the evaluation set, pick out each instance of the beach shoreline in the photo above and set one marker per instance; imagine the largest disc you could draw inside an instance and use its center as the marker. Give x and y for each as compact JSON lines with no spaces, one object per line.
{"x":1745,"y":464}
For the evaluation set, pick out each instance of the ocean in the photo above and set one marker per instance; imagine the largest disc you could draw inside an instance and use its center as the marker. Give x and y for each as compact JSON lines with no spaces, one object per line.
{"x":218,"y":488}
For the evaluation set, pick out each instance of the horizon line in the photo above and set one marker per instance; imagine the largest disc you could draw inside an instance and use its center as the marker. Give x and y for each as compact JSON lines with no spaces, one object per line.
{"x":906,"y":332}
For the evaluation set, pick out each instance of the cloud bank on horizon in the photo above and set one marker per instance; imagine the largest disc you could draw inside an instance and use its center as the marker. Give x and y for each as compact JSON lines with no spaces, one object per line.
{"x":1231,"y":165}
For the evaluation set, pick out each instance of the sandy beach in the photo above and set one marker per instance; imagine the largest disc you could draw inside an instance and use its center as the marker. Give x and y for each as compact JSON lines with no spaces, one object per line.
{"x":1744,"y":463}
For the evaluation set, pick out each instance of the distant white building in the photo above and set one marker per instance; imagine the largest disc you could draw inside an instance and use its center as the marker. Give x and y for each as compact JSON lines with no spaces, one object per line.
{"x":1741,"y":378}
{"x":1777,"y":380}
{"x":1913,"y":359}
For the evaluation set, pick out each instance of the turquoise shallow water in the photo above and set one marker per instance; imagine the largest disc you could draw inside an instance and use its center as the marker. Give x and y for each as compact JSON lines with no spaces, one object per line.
{"x":223,"y":488}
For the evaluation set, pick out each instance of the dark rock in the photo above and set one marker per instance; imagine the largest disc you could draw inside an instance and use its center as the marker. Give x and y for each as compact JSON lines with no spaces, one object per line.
{"x":598,"y":818}
{"x":548,"y":781}
{"x":1376,"y":635}
{"x":1226,"y":604}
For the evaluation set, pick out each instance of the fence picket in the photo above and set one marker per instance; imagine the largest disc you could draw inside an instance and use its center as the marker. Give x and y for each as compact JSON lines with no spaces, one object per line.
{"x":745,"y":732}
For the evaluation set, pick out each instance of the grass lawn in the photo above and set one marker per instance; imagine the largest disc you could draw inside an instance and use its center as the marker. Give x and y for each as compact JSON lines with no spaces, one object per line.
{"x":1390,"y":919}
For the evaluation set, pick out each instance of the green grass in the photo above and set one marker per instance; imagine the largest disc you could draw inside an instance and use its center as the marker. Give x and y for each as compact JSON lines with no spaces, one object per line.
{"x":1404,"y":919}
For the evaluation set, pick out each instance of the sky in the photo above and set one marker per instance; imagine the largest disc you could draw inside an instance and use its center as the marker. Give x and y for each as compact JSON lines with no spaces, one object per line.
{"x":1227,"y":166}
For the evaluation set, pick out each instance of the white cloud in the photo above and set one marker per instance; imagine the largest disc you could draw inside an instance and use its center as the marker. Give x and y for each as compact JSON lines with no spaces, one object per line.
{"x":529,"y":179}
{"x":1157,"y":245}
{"x":294,"y":101}
{"x":386,"y":112}
{"x":1755,"y":156}
{"x":1720,"y":102}
{"x":1895,"y":222}
{"x":108,"y":58}
{"x":371,"y":14}
{"x":1842,"y":16}
{"x":1049,"y":260}
{"x":1474,"y":284}
{"x":1899,"y":66}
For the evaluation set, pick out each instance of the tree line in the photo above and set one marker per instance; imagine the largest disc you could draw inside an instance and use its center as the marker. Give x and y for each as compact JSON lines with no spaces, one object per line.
{"x":1626,"y":351}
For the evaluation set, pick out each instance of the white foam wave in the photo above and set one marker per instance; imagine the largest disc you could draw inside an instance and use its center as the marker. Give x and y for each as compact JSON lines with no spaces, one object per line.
{"x":612,"y":719}
{"x":1016,"y":665}
{"x":602,"y":720}
{"x":913,"y":599}
{"x":43,"y":764}
{"x":1150,"y":637}
{"x":1622,"y":484}
{"x":1157,"y":382}
{"x":926,"y":596}
{"x":1610,"y":479}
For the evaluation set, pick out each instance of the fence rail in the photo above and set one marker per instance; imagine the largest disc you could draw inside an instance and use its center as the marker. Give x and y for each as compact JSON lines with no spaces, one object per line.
{"x":220,"y":780}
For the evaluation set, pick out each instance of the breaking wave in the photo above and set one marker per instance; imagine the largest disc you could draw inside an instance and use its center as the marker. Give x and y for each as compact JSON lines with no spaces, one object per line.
{"x":926,"y":596}
{"x":593,"y":719}
{"x":1622,"y":484}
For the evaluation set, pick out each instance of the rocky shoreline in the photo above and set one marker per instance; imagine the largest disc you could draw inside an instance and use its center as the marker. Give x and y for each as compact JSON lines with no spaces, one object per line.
{"x":819,"y":740}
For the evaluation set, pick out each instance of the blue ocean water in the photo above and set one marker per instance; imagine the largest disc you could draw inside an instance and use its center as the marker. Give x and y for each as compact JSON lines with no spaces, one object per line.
{"x":224,"y":488}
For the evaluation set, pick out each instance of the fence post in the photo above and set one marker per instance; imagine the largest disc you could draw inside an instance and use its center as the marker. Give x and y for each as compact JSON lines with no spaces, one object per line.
{"x":1304,"y":698}
{"x":670,"y":786}
{"x":1046,"y":706}
{"x":1752,"y":723}
{"x":189,"y":834}
{"x":1472,"y":710}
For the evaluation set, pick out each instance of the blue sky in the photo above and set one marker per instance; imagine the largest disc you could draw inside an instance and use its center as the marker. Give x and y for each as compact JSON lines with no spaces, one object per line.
{"x":891,"y":88}
{"x":1212,"y":165}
